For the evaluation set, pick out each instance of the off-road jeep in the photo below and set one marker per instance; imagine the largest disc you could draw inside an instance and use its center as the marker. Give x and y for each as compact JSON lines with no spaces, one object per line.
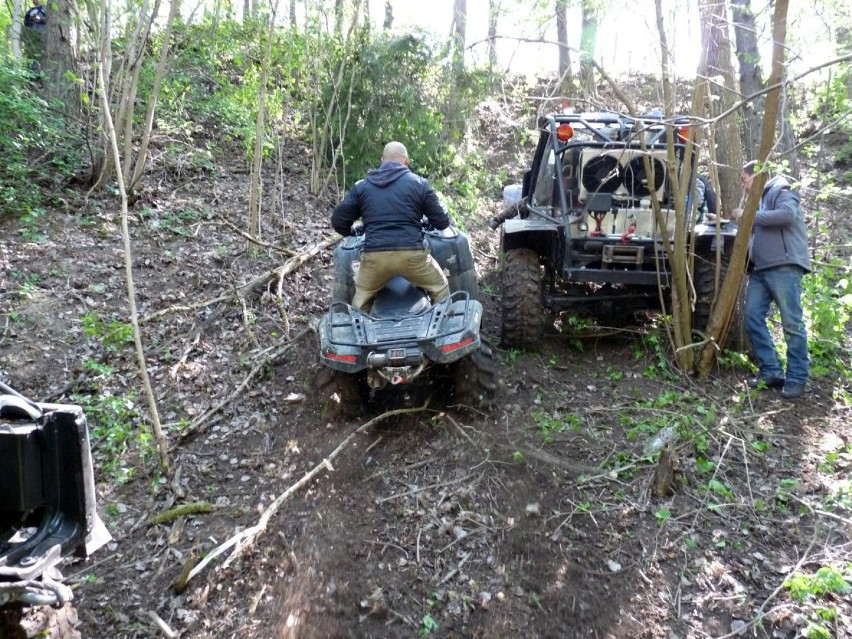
{"x":582,"y":233}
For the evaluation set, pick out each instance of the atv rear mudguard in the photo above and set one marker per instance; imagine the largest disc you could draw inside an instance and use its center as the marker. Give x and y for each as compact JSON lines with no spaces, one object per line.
{"x":351,"y":341}
{"x":47,"y":500}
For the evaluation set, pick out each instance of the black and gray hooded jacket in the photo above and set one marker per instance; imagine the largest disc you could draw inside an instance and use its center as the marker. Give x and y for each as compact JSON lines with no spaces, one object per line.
{"x":779,"y":235}
{"x":392,"y":201}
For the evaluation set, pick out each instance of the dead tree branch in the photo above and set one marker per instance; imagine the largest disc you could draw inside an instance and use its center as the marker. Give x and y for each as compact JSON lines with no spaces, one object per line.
{"x":244,"y":539}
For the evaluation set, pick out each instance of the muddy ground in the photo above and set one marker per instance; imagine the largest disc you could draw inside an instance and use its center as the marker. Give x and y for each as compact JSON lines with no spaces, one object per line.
{"x":549,"y":516}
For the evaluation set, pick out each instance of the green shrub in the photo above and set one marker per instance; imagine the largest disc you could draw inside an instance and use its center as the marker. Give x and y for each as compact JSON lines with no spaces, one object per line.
{"x":37,"y":156}
{"x":384,"y":105}
{"x":828,"y":310}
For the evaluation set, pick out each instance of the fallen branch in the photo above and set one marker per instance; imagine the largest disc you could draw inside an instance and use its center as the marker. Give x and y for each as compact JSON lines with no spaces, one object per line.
{"x":243,"y":539}
{"x":198,"y":421}
{"x":197,"y":508}
{"x":281,"y":271}
{"x":254,"y":240}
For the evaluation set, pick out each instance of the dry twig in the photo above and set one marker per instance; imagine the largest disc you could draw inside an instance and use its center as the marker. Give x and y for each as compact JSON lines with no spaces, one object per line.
{"x":245,"y":538}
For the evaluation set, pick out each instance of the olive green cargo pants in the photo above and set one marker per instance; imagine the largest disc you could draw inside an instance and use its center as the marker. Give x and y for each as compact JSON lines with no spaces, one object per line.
{"x":378,"y":267}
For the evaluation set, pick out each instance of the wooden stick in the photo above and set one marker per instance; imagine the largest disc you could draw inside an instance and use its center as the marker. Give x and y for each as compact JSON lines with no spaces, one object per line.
{"x":244,"y":539}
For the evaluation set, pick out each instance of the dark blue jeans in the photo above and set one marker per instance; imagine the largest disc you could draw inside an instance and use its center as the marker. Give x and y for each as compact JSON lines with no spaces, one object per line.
{"x":782,"y":285}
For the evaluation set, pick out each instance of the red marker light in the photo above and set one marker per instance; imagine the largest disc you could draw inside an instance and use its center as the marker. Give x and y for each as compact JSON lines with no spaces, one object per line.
{"x":349,"y":359}
{"x":449,"y":348}
{"x":564,"y":133}
{"x":683,"y":134}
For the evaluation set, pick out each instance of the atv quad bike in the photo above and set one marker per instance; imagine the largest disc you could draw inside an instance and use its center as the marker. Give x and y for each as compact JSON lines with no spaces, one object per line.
{"x":405,"y":345}
{"x":581,"y":233}
{"x":47,"y":512}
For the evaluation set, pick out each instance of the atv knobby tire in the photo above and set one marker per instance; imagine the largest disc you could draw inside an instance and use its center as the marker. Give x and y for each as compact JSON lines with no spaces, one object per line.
{"x":338,"y":394}
{"x":522,"y":306}
{"x":21,"y":622}
{"x":704,"y":281}
{"x":475,"y":379}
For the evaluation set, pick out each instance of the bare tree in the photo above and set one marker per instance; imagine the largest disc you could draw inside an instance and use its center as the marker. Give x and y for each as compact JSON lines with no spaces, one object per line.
{"x":566,"y":81}
{"x":60,"y":63}
{"x":720,"y":320}
{"x":17,"y":12}
{"x":722,"y":96}
{"x":493,"y":15}
{"x":458,"y":36}
{"x":162,"y":64}
{"x":750,"y":77}
{"x":102,"y":90}
{"x":339,"y":5}
{"x":388,"y":23}
{"x":588,"y":43}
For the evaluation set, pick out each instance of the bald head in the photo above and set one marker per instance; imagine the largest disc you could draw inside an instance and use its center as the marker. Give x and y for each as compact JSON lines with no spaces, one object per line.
{"x":395,"y":152}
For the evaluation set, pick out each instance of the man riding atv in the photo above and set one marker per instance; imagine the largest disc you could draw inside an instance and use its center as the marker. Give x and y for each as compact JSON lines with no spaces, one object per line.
{"x":381,"y":333}
{"x":392,"y":201}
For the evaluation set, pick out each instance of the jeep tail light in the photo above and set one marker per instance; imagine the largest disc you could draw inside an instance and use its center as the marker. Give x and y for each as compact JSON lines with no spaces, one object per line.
{"x":564,"y":133}
{"x":683,"y":134}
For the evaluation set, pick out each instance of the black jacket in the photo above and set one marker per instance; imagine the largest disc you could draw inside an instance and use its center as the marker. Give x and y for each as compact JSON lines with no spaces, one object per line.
{"x":392,"y":201}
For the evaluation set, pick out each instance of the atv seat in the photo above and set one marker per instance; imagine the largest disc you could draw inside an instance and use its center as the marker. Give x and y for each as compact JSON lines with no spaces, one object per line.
{"x":399,"y":297}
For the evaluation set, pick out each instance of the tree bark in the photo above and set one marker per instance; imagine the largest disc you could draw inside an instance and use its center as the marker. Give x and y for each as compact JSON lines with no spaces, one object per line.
{"x":153,"y":413}
{"x":17,"y":25}
{"x":720,"y":321}
{"x":454,"y":125}
{"x":162,"y":63}
{"x":60,"y":60}
{"x":681,"y":308}
{"x":566,"y":81}
{"x":338,"y":17}
{"x":388,"y":23}
{"x":588,"y":43}
{"x":750,"y":77}
{"x":723,"y":95}
{"x":493,"y":15}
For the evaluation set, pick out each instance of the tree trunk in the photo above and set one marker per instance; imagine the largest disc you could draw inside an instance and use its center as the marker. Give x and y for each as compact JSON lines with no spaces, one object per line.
{"x":566,"y":81}
{"x":162,"y":63}
{"x":60,"y":61}
{"x":721,"y":319}
{"x":153,"y":413}
{"x":338,"y":17}
{"x":751,"y":80}
{"x":588,"y":43}
{"x":388,"y":23}
{"x":454,"y":125}
{"x":17,"y":25}
{"x":493,"y":15}
{"x":293,"y":24}
{"x":723,"y":96}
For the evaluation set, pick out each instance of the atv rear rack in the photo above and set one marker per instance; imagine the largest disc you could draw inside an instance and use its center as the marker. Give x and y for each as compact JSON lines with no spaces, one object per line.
{"x":353,"y":340}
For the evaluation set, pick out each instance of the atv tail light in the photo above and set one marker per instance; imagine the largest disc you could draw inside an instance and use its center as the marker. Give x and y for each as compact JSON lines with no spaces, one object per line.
{"x":349,"y":359}
{"x":565,"y":132}
{"x":449,"y":348}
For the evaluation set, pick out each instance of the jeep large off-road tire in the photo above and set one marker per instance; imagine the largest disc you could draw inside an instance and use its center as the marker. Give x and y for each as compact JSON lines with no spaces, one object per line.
{"x":338,"y":394}
{"x":475,"y":381}
{"x":704,"y":281}
{"x":522,"y":306}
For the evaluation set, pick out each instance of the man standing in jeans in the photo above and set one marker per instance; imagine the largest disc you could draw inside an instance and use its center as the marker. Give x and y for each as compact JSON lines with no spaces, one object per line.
{"x":778,"y":259}
{"x":392,"y":202}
